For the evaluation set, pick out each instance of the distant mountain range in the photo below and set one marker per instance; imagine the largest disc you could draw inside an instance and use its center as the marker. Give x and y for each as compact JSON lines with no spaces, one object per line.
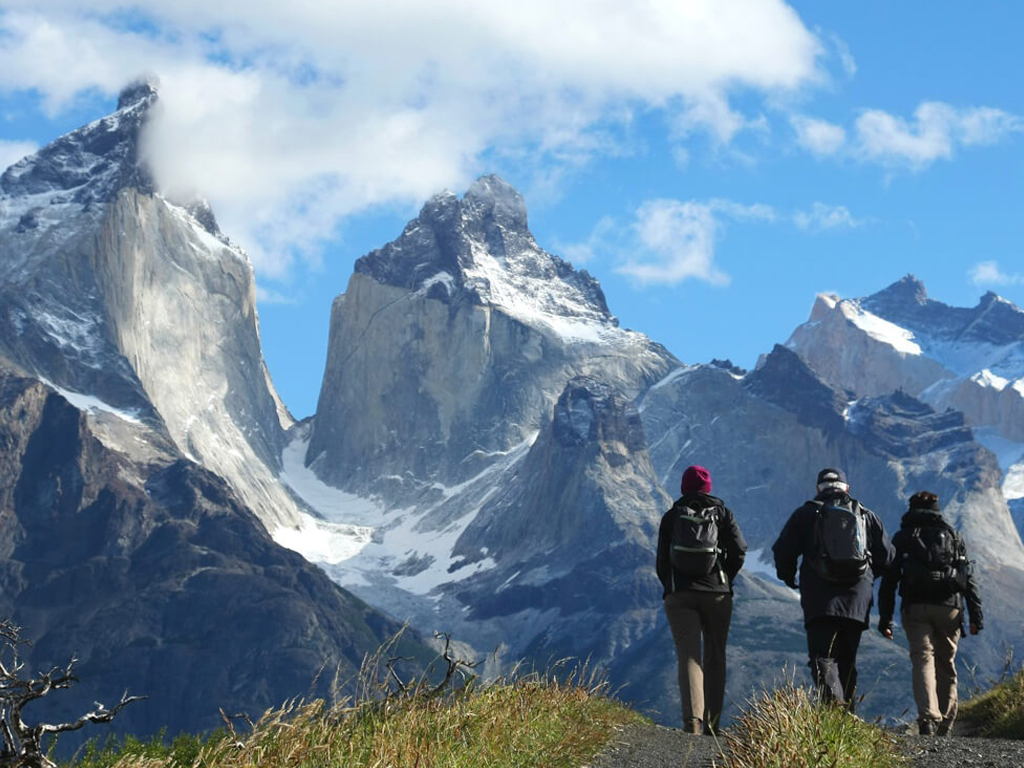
{"x":490,"y":456}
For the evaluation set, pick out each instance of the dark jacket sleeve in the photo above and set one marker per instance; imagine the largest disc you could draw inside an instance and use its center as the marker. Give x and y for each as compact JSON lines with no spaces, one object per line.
{"x":663,"y":565}
{"x":734,"y":546}
{"x":973,"y":599}
{"x":883,"y":554}
{"x":790,"y":545}
{"x":887,"y":589}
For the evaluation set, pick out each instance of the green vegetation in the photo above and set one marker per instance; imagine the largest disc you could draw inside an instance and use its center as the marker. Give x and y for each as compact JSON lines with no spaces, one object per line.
{"x":529,"y":720}
{"x":181,"y":752}
{"x":999,"y":712}
{"x":784,"y":728}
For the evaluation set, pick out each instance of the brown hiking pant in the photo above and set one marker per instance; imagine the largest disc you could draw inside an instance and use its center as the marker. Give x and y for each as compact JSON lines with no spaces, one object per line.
{"x":933,"y":632}
{"x":694,"y":616}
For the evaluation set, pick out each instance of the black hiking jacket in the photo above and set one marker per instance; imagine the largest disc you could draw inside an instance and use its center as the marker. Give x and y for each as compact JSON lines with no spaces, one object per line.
{"x":818,"y":597}
{"x":730,"y":541}
{"x":892,"y":578}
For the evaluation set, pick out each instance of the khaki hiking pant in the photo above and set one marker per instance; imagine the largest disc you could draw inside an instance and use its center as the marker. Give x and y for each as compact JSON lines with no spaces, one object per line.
{"x":697,"y":618}
{"x":933,"y":632}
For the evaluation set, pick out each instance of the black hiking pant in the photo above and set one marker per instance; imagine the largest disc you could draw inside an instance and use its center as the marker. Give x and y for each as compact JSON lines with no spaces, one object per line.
{"x":832,"y":644}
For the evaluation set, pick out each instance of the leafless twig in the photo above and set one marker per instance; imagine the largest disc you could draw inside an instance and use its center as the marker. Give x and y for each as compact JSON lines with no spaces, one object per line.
{"x":22,"y":745}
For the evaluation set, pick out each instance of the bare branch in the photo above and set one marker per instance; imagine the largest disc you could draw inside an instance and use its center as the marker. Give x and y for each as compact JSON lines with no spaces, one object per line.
{"x":454,"y":665}
{"x":99,"y":715}
{"x":22,"y":744}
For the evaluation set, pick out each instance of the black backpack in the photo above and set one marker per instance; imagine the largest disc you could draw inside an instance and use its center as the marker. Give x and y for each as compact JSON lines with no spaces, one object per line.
{"x":841,"y":553}
{"x":694,"y":548}
{"x":934,"y":562}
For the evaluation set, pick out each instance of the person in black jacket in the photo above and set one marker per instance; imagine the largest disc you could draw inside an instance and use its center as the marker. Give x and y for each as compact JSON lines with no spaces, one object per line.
{"x":699,"y":605}
{"x":836,"y":611}
{"x":934,"y":578}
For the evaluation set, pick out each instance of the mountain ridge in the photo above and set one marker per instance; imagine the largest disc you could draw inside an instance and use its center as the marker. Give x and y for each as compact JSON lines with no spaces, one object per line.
{"x":490,"y":451}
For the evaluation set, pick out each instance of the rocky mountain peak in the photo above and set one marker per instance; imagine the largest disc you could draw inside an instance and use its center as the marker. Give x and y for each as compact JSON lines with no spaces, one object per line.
{"x":89,"y":165}
{"x":906,"y":290}
{"x":784,"y":379}
{"x":490,"y":197}
{"x":994,"y":321}
{"x":141,"y":90}
{"x":479,"y":249}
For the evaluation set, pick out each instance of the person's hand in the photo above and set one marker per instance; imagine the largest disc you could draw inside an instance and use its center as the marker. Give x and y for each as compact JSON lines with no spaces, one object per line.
{"x":886,"y":631}
{"x":791,"y":583}
{"x":975,"y":629}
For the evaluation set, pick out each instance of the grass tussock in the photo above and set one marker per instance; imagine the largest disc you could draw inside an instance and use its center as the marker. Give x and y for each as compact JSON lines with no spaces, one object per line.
{"x":785,"y":728}
{"x":524,"y":721}
{"x":999,"y":712}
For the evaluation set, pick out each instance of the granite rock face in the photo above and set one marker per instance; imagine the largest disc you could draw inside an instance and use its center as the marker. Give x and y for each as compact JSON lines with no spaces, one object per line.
{"x":968,"y":359}
{"x":520,"y":449}
{"x":140,"y":445}
{"x":452,"y":343}
{"x":158,"y":579}
{"x":490,"y":457}
{"x":118,"y":294}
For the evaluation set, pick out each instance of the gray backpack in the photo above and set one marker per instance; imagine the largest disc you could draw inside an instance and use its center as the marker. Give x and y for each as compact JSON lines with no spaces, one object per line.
{"x":841,"y":553}
{"x":694,"y":548}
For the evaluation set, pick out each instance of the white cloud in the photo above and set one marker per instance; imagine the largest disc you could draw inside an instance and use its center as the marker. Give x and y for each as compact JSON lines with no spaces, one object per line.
{"x":709,"y":113}
{"x":12,"y":151}
{"x":989,"y":273}
{"x":936,"y":132}
{"x":846,"y":59}
{"x":671,"y":241}
{"x":819,"y":136}
{"x":675,"y":241}
{"x":287,"y":117}
{"x":823,"y":217}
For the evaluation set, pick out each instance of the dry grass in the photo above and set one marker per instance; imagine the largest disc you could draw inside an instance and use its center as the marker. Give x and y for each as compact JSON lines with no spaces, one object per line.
{"x":524,"y":721}
{"x":785,"y":728}
{"x":998,"y":712}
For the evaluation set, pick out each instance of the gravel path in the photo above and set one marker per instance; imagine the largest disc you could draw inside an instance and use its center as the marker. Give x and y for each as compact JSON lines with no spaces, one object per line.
{"x":654,"y":746}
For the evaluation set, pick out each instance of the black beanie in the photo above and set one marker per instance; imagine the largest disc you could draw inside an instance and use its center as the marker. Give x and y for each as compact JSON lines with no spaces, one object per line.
{"x":924,"y":500}
{"x":831,"y":475}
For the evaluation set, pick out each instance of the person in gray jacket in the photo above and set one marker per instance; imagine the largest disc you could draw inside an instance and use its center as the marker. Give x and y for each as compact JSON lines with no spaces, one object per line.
{"x":935,"y":579}
{"x":700,"y":551}
{"x":836,"y":605}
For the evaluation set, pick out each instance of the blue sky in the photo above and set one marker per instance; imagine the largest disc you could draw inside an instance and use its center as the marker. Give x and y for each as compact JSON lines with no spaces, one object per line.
{"x":714,"y":164}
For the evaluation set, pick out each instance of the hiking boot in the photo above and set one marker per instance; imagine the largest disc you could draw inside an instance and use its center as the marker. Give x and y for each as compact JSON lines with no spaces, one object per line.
{"x":944,"y":729}
{"x":926,"y":728}
{"x":693,"y":725}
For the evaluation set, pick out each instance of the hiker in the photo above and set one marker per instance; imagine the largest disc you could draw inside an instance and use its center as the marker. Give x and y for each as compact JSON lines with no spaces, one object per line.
{"x":934,"y":578}
{"x":842,"y":548}
{"x":700,"y":551}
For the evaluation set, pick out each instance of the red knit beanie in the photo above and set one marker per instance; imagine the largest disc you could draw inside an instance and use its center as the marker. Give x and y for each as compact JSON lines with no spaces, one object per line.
{"x":696,"y":480}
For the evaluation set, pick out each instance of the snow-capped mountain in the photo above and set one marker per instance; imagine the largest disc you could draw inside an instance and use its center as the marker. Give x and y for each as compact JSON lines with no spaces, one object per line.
{"x":452,"y":343}
{"x":971,"y":360}
{"x":140,"y":445}
{"x":490,"y":456}
{"x":116,"y":295}
{"x":509,"y":450}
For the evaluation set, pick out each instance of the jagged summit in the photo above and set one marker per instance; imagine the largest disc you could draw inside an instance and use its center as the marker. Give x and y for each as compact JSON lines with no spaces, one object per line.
{"x":786,"y":380}
{"x":907,"y":289}
{"x":89,"y":165}
{"x":993,"y":321}
{"x":491,"y":197}
{"x":143,"y":89}
{"x":479,"y":249}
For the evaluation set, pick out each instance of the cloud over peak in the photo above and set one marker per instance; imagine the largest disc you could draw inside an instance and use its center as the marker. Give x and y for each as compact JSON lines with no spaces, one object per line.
{"x":289,"y":117}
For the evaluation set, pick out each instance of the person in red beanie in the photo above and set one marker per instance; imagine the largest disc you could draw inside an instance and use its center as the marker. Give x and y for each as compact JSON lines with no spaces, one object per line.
{"x":700,"y":551}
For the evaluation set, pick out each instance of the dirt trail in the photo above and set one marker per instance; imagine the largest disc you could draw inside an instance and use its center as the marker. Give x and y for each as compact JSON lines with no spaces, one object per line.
{"x":654,"y":746}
